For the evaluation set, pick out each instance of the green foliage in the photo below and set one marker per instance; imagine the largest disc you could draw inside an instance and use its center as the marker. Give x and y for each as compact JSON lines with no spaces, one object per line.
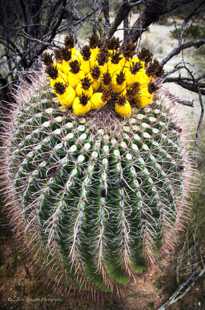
{"x":194,"y":31}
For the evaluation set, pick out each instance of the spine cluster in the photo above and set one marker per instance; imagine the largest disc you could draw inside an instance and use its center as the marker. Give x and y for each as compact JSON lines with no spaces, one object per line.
{"x":103,"y":202}
{"x":102,"y":75}
{"x":102,"y":197}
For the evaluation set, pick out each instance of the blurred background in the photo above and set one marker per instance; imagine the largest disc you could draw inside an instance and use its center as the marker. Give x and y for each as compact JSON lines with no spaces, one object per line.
{"x":175,"y":33}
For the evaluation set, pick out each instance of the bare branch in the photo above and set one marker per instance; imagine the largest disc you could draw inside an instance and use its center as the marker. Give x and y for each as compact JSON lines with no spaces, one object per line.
{"x":193,"y":13}
{"x":106,"y":13}
{"x":177,"y":50}
{"x":153,"y":10}
{"x":122,"y":14}
{"x":183,"y":289}
{"x":201,"y":115}
{"x":175,"y":4}
{"x":188,"y":20}
{"x":151,"y":13}
{"x":187,"y":84}
{"x":126,"y":25}
{"x":176,"y":99}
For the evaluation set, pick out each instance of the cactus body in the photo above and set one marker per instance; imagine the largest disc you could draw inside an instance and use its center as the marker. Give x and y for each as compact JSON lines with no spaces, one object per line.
{"x":103,"y":194}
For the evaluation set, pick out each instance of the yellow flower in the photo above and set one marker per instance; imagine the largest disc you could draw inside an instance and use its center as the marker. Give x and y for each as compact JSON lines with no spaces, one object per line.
{"x":123,"y":107}
{"x":68,"y":98}
{"x":64,"y":67}
{"x":134,"y":59}
{"x":74,"y":79}
{"x":101,"y":74}
{"x":80,"y":91}
{"x":55,"y":75}
{"x":85,"y":66}
{"x":106,"y":80}
{"x":75,"y":74}
{"x":95,"y":76}
{"x":134,"y":73}
{"x":119,"y":82}
{"x":76,"y":55}
{"x":144,"y":97}
{"x":130,"y":78}
{"x":66,"y":95}
{"x":57,"y":80}
{"x":113,"y":68}
{"x":115,"y":62}
{"x":86,"y":57}
{"x":96,"y":85}
{"x":124,"y":63}
{"x":103,"y":68}
{"x":84,"y":87}
{"x":97,"y":101}
{"x":81,"y":105}
{"x":94,"y":54}
{"x":143,"y":78}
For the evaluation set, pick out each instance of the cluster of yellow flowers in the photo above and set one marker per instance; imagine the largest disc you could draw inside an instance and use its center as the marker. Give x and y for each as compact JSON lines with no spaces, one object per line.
{"x":102,"y":74}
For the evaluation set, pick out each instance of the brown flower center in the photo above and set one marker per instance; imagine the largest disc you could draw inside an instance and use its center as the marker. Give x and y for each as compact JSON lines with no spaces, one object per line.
{"x":47,"y":59}
{"x":106,"y":94}
{"x":59,"y":88}
{"x":66,"y":54}
{"x":145,"y":55}
{"x":69,"y":42}
{"x":74,"y":66}
{"x":58,"y":55}
{"x":132,"y":91}
{"x":86,"y":53}
{"x":86,"y":82}
{"x":115,"y":58}
{"x":113,"y":43}
{"x":128,"y":49}
{"x":102,"y":57}
{"x":107,"y":78}
{"x":52,"y":72}
{"x":83,"y":99}
{"x":94,"y":41}
{"x":135,"y":68}
{"x":113,"y":98}
{"x":120,"y":78}
{"x":121,"y":100}
{"x":95,"y":72}
{"x":152,"y":87}
{"x":155,"y":68}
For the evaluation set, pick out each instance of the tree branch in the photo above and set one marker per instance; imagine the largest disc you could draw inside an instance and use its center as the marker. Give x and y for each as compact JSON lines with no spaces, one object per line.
{"x":106,"y":13}
{"x":177,"y":50}
{"x":122,"y":14}
{"x":201,"y":117}
{"x":187,"y":84}
{"x":176,"y":4}
{"x":126,"y":25}
{"x":153,"y":10}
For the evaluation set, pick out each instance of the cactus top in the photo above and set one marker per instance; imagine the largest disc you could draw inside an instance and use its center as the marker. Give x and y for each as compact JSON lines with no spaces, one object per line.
{"x":102,"y":75}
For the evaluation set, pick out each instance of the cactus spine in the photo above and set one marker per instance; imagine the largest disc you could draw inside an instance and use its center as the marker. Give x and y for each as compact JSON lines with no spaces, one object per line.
{"x":103,"y":195}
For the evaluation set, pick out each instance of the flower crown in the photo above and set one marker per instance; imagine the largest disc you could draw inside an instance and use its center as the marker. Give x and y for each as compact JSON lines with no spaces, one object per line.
{"x":102,"y":74}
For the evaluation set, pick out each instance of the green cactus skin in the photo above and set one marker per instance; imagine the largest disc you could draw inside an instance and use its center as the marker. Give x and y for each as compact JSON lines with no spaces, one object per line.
{"x":102,"y":196}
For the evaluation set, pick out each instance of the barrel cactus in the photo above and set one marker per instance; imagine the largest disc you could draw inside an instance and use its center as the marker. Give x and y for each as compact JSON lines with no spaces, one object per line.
{"x":102,"y":192}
